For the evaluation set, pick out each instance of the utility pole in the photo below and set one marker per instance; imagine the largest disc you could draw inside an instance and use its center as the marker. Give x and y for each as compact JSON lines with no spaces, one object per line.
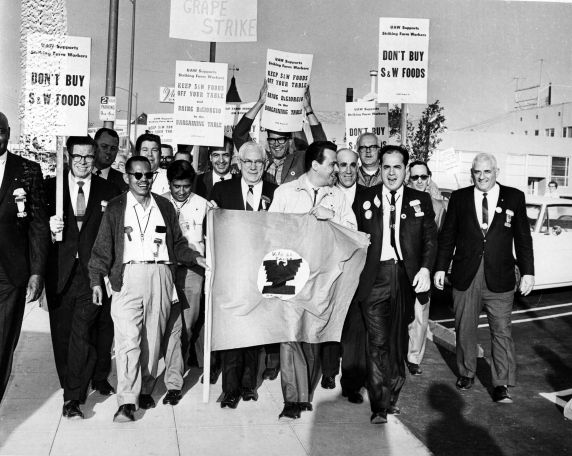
{"x":111,"y":53}
{"x":539,"y":84}
{"x":130,"y":101}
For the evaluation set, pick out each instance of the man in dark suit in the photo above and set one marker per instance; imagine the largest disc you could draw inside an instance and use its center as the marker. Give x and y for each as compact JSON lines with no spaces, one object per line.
{"x":24,"y":242}
{"x":286,"y":150}
{"x":399,"y":259}
{"x":107,"y":141}
{"x":73,"y":316}
{"x":220,"y":159}
{"x":250,"y":193}
{"x":482,"y":224}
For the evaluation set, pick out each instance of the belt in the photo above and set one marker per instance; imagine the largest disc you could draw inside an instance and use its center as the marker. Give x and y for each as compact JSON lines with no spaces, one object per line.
{"x":150,"y":262}
{"x":392,"y":261}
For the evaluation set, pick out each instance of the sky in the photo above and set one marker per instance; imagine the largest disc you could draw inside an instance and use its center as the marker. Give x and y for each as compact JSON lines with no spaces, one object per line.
{"x":476,"y":48}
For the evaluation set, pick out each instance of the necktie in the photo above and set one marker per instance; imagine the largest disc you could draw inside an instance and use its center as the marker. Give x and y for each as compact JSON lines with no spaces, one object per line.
{"x":316,"y":190}
{"x":485,"y":213}
{"x":98,"y":173}
{"x":250,"y":199}
{"x":80,"y":205}
{"x":392,"y":221}
{"x":221,"y":178}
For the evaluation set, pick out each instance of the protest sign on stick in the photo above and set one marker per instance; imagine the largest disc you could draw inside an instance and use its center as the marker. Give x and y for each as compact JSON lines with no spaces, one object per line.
{"x":366,"y":117}
{"x":161,"y":125}
{"x":287,"y":75}
{"x":234,"y":112}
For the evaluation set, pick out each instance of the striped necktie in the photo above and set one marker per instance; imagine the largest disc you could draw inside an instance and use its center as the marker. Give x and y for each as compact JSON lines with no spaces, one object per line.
{"x":485,"y":213}
{"x":80,"y":205}
{"x":250,"y":198}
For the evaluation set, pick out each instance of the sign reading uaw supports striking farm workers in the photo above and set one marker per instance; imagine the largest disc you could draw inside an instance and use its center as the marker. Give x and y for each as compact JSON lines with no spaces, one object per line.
{"x":287,"y":75}
{"x":234,"y":112}
{"x":162,"y":126}
{"x":403,"y":60}
{"x":57,"y":85}
{"x":214,"y":20}
{"x":366,"y":117}
{"x":200,"y":100}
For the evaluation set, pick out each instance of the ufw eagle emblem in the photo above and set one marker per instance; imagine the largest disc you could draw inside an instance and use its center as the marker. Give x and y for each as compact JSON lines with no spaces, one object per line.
{"x":278,"y":272}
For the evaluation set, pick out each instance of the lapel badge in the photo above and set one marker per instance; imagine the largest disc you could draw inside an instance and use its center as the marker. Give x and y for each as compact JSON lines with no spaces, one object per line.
{"x":509,"y":215}
{"x":419,"y":214}
{"x":20,"y":200}
{"x":376,"y":201}
{"x":103,"y":205}
{"x":367,"y":214}
{"x":403,"y":216}
{"x":498,"y":210}
{"x":484,"y":226}
{"x":416,"y":205}
{"x":366,"y":205}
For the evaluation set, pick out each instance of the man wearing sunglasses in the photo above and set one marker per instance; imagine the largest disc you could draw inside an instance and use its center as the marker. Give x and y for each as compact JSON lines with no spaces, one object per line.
{"x":73,"y":315}
{"x":285,"y":149}
{"x":420,"y":179}
{"x":138,"y":246}
{"x":369,"y":173}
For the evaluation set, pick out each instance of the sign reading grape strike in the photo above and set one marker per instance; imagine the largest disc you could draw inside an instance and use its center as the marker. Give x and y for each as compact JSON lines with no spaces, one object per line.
{"x":287,"y":76}
{"x":403,"y":60}
{"x":200,"y":102}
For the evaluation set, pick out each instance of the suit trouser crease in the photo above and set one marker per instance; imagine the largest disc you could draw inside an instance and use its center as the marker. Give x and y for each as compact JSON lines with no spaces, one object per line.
{"x":140,"y":313}
{"x":418,"y":332}
{"x":299,"y":370}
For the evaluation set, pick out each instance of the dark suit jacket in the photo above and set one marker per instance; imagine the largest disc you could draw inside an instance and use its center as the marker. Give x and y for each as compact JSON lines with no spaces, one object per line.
{"x":228,"y":194}
{"x":417,"y":235}
{"x":462,"y":240}
{"x":116,"y":178}
{"x":203,"y":184}
{"x":24,"y":241}
{"x":62,"y":254}
{"x":107,"y":253}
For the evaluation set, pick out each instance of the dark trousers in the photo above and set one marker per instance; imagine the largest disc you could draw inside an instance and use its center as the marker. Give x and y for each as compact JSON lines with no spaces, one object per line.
{"x":103,"y":341}
{"x":354,"y":368}
{"x":272,"y":356}
{"x":239,"y":369}
{"x":385,"y":311}
{"x":12,"y":305}
{"x":330,"y":353}
{"x":73,"y":317}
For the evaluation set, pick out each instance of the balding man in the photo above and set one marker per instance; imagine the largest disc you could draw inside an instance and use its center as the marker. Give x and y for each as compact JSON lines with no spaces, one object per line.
{"x":369,"y":173}
{"x":482,"y":224}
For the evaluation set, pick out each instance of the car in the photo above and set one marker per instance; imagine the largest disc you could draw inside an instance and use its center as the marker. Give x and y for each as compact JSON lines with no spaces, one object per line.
{"x":551,"y":229}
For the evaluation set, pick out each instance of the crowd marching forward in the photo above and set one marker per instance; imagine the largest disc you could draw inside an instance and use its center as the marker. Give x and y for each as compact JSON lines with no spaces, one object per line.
{"x":127,"y":241}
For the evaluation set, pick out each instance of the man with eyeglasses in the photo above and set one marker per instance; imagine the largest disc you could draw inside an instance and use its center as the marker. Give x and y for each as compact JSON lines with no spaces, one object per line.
{"x":420,"y":179}
{"x":249,"y":193}
{"x":369,"y":173}
{"x":220,"y":159}
{"x":166,"y":155}
{"x":107,"y":141}
{"x":24,"y":243}
{"x":148,"y":145}
{"x":73,"y":315}
{"x":138,"y":246}
{"x":285,"y":149}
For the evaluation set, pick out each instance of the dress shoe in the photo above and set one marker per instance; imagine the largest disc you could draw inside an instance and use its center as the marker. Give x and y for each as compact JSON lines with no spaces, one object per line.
{"x":270,"y":373}
{"x":249,"y":394}
{"x":230,"y":400}
{"x":354,"y":397}
{"x":214,"y":375}
{"x":414,"y":369}
{"x":464,"y":383}
{"x":500,"y":395}
{"x":305,"y":406}
{"x":379,"y":417}
{"x":103,"y":387}
{"x":124,"y":414}
{"x":146,"y":401}
{"x":328,"y":382}
{"x":394,"y":410}
{"x":71,"y":410}
{"x":291,"y":411}
{"x":172,"y":397}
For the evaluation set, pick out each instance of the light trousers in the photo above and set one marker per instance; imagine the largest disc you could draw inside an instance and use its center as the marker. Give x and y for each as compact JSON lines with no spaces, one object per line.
{"x":418,"y":332}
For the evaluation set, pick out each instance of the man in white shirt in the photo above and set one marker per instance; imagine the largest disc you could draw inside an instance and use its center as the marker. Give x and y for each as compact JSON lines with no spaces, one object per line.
{"x":220,"y":158}
{"x":149,"y":145}
{"x":138,"y":246}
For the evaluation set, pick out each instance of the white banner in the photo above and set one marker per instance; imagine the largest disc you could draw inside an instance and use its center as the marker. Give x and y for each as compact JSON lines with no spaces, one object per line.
{"x":214,"y":20}
{"x":161,"y":125}
{"x":200,"y":103}
{"x":234,"y":112}
{"x":287,"y":75}
{"x":366,"y":117}
{"x":403,"y":60}
{"x":57,"y":85}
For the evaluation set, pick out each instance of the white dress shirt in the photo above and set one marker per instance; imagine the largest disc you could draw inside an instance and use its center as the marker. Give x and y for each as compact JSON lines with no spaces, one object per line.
{"x":160,"y":183}
{"x":3,"y":165}
{"x":349,"y":193}
{"x":143,"y":223}
{"x":492,"y":200}
{"x":191,"y":218}
{"x":72,"y":181}
{"x":387,"y":251}
{"x":256,"y":190}
{"x":218,"y":178}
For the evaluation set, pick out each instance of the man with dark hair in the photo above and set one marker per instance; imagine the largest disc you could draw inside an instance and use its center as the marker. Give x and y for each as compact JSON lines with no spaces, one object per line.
{"x":149,"y":146}
{"x":24,"y":243}
{"x":166,"y":155}
{"x":314,"y":193}
{"x":369,"y":173}
{"x":138,"y":246}
{"x":220,"y":159}
{"x":73,"y":315}
{"x":184,"y":155}
{"x":399,"y":259}
{"x":191,"y":210}
{"x":553,"y":189}
{"x":285,"y":149}
{"x":107,"y":141}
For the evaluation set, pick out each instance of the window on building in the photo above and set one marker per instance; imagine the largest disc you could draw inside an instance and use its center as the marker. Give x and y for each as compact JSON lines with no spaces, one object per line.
{"x":549,"y":132}
{"x":564,"y":132}
{"x":536,"y":132}
{"x":560,"y":170}
{"x":567,"y":132}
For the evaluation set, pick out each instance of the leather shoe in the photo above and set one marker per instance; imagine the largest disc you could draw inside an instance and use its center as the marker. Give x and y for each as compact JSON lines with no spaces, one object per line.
{"x":124,"y":414}
{"x":270,"y":373}
{"x":230,"y":400}
{"x":103,"y":387}
{"x":71,"y":409}
{"x":414,"y":369}
{"x":500,"y":395}
{"x":464,"y":383}
{"x":328,"y":382}
{"x":379,"y":417}
{"x":354,"y":397}
{"x":249,"y":394}
{"x":291,"y":410}
{"x":172,"y":397}
{"x":305,"y":406}
{"x":146,"y":401}
{"x":394,"y":410}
